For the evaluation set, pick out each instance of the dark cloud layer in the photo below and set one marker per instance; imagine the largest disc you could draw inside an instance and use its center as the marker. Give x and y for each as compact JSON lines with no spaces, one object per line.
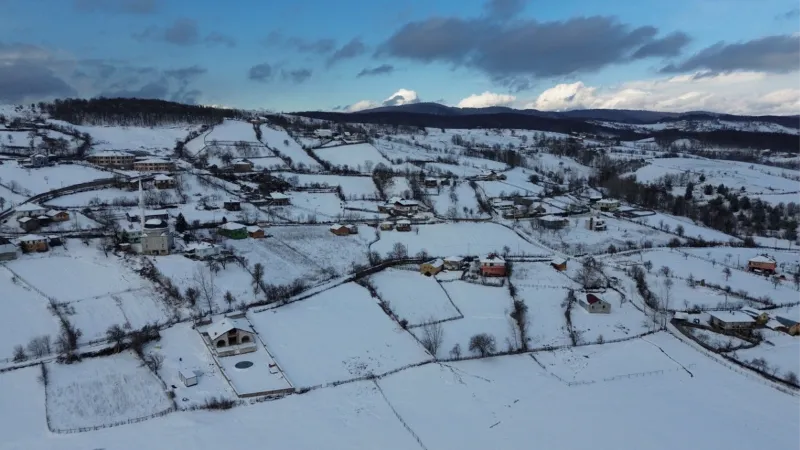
{"x":775,"y":54}
{"x":352,"y":49}
{"x":504,"y":9}
{"x":318,"y":46}
{"x":118,"y":6}
{"x":509,"y":50}
{"x":261,"y":72}
{"x":297,"y":76}
{"x":383,"y":69}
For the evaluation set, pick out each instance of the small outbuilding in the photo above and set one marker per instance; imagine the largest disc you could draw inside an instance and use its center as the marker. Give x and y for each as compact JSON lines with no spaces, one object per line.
{"x":386,"y":226}
{"x":552,"y":222}
{"x":403,"y":225}
{"x":278,"y":199}
{"x":255,"y":232}
{"x":29,"y":223}
{"x":607,"y":204}
{"x":339,"y":229}
{"x":202,"y":249}
{"x":431,"y":268}
{"x":57,"y":216}
{"x":596,"y":224}
{"x":188,"y":378}
{"x":232,"y":205}
{"x":595,"y":304}
{"x":560,"y":264}
{"x":33,"y":243}
{"x":453,"y":263}
{"x":7,"y":250}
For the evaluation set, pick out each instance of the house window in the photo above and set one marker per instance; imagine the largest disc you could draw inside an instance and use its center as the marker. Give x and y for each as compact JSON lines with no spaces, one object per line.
{"x":221,"y":343}
{"x":245,"y":339}
{"x":232,"y":340}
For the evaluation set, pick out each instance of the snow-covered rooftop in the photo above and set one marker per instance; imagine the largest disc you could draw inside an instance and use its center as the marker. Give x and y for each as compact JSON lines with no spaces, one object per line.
{"x":278,"y":196}
{"x":29,"y":207}
{"x":493,"y":259}
{"x":153,"y":161}
{"x":217,"y":329}
{"x":731,"y":316}
{"x":232,"y":226}
{"x":762,"y":259}
{"x":436,"y":263}
{"x":454,"y":259}
{"x":253,"y":229}
{"x":32,"y":238}
{"x":111,"y":153}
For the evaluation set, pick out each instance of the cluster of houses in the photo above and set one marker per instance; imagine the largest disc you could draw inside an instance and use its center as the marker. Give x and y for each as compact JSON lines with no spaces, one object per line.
{"x":400,"y":225}
{"x":32,"y":217}
{"x":488,"y":175}
{"x":28,"y":244}
{"x":234,"y":230}
{"x":148,"y":182}
{"x":397,"y":206}
{"x":745,"y":320}
{"x":517,"y":207}
{"x":491,"y":265}
{"x":116,"y":159}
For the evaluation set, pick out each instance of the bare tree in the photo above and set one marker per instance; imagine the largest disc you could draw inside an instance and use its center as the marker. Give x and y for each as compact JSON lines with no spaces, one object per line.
{"x":520,"y":316}
{"x":432,"y":336}
{"x":648,"y":265}
{"x":483,"y":344}
{"x":191,"y":295}
{"x":39,"y":346}
{"x":258,"y":279}
{"x":19,"y":354}
{"x":796,"y":278}
{"x":229,"y":299}
{"x":116,"y":335}
{"x":727,"y":272}
{"x":455,"y":352}
{"x":665,"y":271}
{"x":668,"y":283}
{"x":154,"y":361}
{"x":204,"y":278}
{"x":775,"y":282}
{"x":791,"y":378}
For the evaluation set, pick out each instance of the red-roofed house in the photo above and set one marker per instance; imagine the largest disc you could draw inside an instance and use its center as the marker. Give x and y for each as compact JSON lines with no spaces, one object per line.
{"x":595,"y":304}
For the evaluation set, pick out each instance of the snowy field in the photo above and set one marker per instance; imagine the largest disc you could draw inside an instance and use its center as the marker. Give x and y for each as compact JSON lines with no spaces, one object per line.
{"x":155,"y":139}
{"x":489,"y":403}
{"x":337,"y":335}
{"x":25,"y":315}
{"x":493,"y":189}
{"x":134,"y":308}
{"x":464,"y":197}
{"x":781,"y":351}
{"x":76,"y":272}
{"x":564,"y":165}
{"x":456,"y":239}
{"x":10,"y":197}
{"x":360,"y":157}
{"x":256,"y":379}
{"x":324,"y":206}
{"x":576,"y":239}
{"x":18,"y":139}
{"x":102,"y":391}
{"x":413,"y":296}
{"x":232,"y":130}
{"x":690,"y":230}
{"x":623,"y":321}
{"x":83,"y":199}
{"x":183,"y":349}
{"x":399,"y":187}
{"x":682,"y":267}
{"x":352,"y":187}
{"x":485,"y":310}
{"x":543,"y":289}
{"x":788,"y":262}
{"x":279,"y":139}
{"x":22,"y":408}
{"x":43,"y":179}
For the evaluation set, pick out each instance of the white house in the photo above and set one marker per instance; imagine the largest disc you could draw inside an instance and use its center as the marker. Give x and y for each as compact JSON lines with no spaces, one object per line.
{"x":30,"y":210}
{"x":188,"y":378}
{"x":323,"y":133}
{"x":607,"y":204}
{"x":231,"y":337}
{"x":202,"y":249}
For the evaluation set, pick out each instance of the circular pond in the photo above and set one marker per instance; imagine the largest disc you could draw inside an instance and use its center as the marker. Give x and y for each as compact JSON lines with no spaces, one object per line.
{"x":243,"y":364}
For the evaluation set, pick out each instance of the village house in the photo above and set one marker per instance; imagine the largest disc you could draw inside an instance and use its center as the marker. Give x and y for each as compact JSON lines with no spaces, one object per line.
{"x":147,"y":183}
{"x":491,"y":175}
{"x":242,"y":166}
{"x":552,"y":222}
{"x":502,"y":205}
{"x":233,"y":230}
{"x":112,"y":158}
{"x":57,"y":216}
{"x":403,"y":225}
{"x":8,"y":251}
{"x":230,"y":337}
{"x":28,"y":223}
{"x":788,"y":326}
{"x":255,"y":232}
{"x":596,"y":224}
{"x":30,"y":210}
{"x":560,"y":264}
{"x":731,"y":320}
{"x":33,"y":243}
{"x":340,"y":230}
{"x":453,"y":263}
{"x":154,"y":165}
{"x":278,"y":199}
{"x":202,"y":250}
{"x":431,"y":268}
{"x":493,"y":265}
{"x":760,"y":317}
{"x":607,"y":204}
{"x":595,"y":304}
{"x":232,"y":205}
{"x":406,"y":207}
{"x":162,"y":181}
{"x":323,"y":133}
{"x":762,"y":264}
{"x":386,"y":226}
{"x":39,"y":160}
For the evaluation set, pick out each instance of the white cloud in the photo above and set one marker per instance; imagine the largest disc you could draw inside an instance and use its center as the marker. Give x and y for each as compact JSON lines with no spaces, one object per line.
{"x":360,"y":106}
{"x":486,"y":99}
{"x":751,"y":93}
{"x":401,"y":97}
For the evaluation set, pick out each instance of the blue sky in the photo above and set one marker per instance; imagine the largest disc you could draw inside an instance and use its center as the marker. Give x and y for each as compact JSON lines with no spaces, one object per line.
{"x":303,"y":54}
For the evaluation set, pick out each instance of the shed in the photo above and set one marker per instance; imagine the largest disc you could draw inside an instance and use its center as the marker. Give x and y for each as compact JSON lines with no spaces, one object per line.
{"x":386,"y":226}
{"x":559,"y":264}
{"x":431,"y":267}
{"x":29,"y":223}
{"x":552,"y":222}
{"x":595,"y":304}
{"x":255,"y":232}
{"x":233,"y":230}
{"x":403,"y":225}
{"x":188,"y":378}
{"x":339,"y":229}
{"x":278,"y":199}
{"x":453,"y":262}
{"x":762,"y":263}
{"x":232,"y":205}
{"x":607,"y":204}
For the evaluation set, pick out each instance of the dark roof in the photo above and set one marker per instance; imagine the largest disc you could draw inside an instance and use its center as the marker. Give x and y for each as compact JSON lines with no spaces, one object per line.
{"x":592,"y":299}
{"x":785,"y":322}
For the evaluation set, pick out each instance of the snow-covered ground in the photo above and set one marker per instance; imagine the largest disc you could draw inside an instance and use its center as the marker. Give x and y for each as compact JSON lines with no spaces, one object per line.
{"x":102,"y":391}
{"x":23,"y":407}
{"x":337,"y":335}
{"x":452,"y":239}
{"x":25,"y":314}
{"x":352,"y":187}
{"x":623,"y":321}
{"x":321,"y":206}
{"x":464,"y":196}
{"x":690,"y":230}
{"x":413,"y":296}
{"x":232,"y":130}
{"x":360,"y":157}
{"x":279,"y":139}
{"x":788,"y":262}
{"x":399,"y":187}
{"x":43,"y":179}
{"x":133,"y":309}
{"x":160,"y":140}
{"x":781,"y":352}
